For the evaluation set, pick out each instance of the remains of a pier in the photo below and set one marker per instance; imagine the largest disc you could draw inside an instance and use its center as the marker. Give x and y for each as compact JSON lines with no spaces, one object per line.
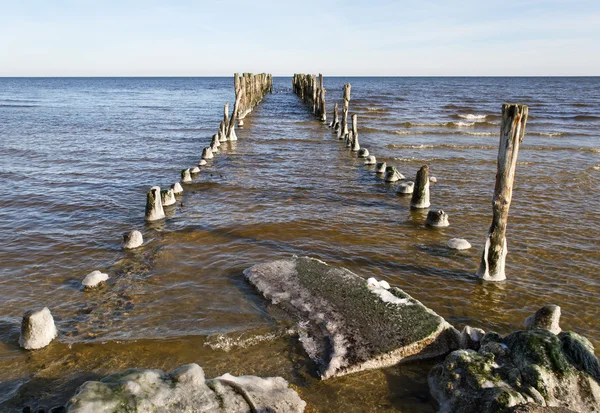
{"x":512,"y":131}
{"x":311,"y":91}
{"x":249,"y":91}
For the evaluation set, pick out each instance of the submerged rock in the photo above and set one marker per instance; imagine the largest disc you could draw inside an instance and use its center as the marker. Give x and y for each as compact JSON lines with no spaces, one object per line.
{"x":94,"y":279}
{"x":132,"y":239}
{"x":348,"y":324}
{"x":381,"y":167}
{"x":406,"y":187}
{"x":185,"y":390}
{"x":458,"y":244}
{"x":37,"y":329}
{"x":370,"y":160}
{"x":547,"y":318}
{"x":534,"y":366}
{"x":437,"y":219}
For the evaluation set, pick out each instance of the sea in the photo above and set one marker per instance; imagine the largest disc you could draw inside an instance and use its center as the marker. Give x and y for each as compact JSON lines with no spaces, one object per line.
{"x":77,"y":156}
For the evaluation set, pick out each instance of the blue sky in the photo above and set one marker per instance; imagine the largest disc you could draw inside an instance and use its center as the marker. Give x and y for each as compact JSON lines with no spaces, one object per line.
{"x":387,"y":38}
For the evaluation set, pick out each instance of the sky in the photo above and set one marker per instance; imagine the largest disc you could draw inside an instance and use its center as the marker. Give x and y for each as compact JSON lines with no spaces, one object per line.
{"x":336,"y":38}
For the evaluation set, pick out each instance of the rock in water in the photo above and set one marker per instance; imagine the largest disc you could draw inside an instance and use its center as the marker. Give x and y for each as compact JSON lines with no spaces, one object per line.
{"x":392,"y":174}
{"x":534,"y":366}
{"x":93,"y":279}
{"x":458,"y":244}
{"x":186,"y":176}
{"x":380,"y":168}
{"x":184,"y":390}
{"x":547,"y":317}
{"x":349,"y":324}
{"x":177,"y":188}
{"x":154,"y":208}
{"x":37,"y":329}
{"x":132,"y":240}
{"x":202,"y":162}
{"x":207,"y":153}
{"x":371,"y":160}
{"x":195,"y":170}
{"x":167,"y":197}
{"x":406,"y":188}
{"x":363,"y":153}
{"x":437,"y":219}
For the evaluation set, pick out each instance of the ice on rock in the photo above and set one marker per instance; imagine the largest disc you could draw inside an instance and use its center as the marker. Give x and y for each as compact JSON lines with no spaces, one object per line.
{"x":348,"y":324}
{"x":185,"y":390}
{"x":93,"y":279}
{"x":37,"y":329}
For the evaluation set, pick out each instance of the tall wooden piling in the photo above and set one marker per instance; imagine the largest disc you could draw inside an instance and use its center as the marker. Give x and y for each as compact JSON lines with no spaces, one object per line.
{"x":512,"y":132}
{"x":312,"y":93}
{"x":354,"y":142}
{"x":335,"y":123}
{"x":344,"y":126}
{"x":420,"y":196}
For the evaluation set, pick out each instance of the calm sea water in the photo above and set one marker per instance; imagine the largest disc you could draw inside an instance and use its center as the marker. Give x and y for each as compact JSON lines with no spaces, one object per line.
{"x":78,"y":155}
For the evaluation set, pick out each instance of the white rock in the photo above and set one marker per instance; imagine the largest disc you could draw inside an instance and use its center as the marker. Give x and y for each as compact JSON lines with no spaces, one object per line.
{"x":381,"y":167}
{"x":370,"y":160}
{"x":132,"y":240}
{"x":37,"y":329}
{"x":406,"y":187}
{"x":363,"y":153}
{"x":195,"y":170}
{"x":432,"y":179}
{"x":207,"y":153}
{"x":185,"y":390}
{"x":94,"y":279}
{"x":202,"y":162}
{"x":154,"y":208}
{"x":186,"y":176}
{"x":458,"y":244}
{"x":241,"y":122}
{"x":177,"y":188}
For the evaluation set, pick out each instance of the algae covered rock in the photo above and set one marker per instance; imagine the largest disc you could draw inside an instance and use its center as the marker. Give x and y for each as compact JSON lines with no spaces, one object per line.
{"x":348,"y":324}
{"x":526,"y":367}
{"x":184,"y":390}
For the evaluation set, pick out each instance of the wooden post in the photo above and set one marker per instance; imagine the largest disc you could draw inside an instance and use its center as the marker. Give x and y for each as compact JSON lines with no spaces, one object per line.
{"x":512,"y":132}
{"x":226,"y":114}
{"x":420,"y":196}
{"x":347,"y":89}
{"x":322,"y":105}
{"x":354,"y":144}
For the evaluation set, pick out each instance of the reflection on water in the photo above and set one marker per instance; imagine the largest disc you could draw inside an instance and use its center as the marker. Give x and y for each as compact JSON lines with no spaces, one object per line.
{"x":76,"y":166}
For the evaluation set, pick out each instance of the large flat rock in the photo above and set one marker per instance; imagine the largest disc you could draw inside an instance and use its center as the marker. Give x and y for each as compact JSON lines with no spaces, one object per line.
{"x":348,"y":324}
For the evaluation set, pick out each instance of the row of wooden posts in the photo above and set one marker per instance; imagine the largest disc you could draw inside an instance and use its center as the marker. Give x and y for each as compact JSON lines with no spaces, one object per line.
{"x":249,"y":91}
{"x":512,"y":132}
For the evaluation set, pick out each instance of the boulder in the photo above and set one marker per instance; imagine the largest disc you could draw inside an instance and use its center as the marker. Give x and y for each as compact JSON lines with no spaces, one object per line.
{"x":534,"y":366}
{"x":37,"y":329}
{"x":167,"y":197}
{"x":406,"y":188}
{"x":94,"y":279}
{"x":437,"y":219}
{"x":458,"y":244}
{"x":184,"y":390}
{"x":132,"y":239}
{"x":348,"y":324}
{"x":547,"y":318}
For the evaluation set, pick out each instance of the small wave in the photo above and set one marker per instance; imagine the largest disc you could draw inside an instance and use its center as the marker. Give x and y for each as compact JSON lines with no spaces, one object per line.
{"x":461,"y":132}
{"x":440,"y":146}
{"x":470,"y":116}
{"x":438,"y":125}
{"x":550,"y":134}
{"x":596,"y":168}
{"x":3,"y":105}
{"x":586,"y":117}
{"x":373,"y":109}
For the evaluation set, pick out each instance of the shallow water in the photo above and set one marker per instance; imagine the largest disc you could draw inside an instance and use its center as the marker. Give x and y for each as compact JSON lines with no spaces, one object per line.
{"x":78,"y":155}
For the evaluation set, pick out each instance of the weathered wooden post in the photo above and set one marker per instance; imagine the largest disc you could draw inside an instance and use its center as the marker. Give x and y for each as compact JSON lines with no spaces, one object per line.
{"x":420,"y":196}
{"x":335,"y":123}
{"x":512,"y":131}
{"x":226,"y":114}
{"x":237,"y":84}
{"x":322,"y":105}
{"x":355,"y":146}
{"x":344,"y":128}
{"x":154,"y":208}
